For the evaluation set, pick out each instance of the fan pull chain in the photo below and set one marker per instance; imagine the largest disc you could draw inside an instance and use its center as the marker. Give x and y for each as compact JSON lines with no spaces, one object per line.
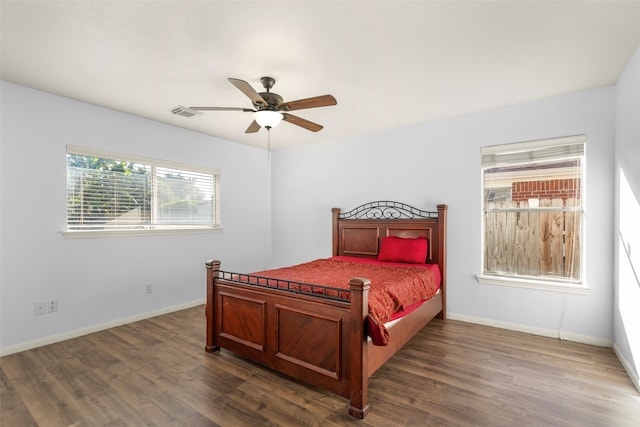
{"x":268,"y":142}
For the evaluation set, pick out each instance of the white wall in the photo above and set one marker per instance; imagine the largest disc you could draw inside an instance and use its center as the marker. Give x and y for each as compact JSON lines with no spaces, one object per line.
{"x":626,"y":236}
{"x":99,"y":281}
{"x":439,"y":162}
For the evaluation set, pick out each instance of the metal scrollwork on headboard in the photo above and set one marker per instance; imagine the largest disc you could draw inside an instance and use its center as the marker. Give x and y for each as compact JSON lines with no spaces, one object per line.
{"x":386,"y":210}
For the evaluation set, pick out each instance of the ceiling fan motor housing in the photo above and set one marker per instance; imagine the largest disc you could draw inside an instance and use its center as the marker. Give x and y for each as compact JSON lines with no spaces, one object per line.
{"x":273,"y":100}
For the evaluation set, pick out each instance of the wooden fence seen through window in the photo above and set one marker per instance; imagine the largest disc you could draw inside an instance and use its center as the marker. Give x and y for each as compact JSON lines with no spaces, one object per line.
{"x":541,"y":241}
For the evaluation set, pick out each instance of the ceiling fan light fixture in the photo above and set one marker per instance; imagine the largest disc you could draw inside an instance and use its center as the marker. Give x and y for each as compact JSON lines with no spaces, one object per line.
{"x":267,"y":118}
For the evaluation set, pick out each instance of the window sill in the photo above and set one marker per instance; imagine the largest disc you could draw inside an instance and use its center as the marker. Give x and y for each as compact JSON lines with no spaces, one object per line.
{"x":543,"y":285}
{"x":79,"y":234}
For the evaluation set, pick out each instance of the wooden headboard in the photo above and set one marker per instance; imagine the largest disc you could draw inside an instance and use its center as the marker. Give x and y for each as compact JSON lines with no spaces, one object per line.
{"x":359,"y":232}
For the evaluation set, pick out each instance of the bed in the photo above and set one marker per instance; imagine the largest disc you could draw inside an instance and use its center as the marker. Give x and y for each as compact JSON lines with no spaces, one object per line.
{"x":318,"y":333}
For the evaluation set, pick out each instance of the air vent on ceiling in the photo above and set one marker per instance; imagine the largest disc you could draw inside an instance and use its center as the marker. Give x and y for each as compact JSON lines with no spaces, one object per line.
{"x":184,"y":111}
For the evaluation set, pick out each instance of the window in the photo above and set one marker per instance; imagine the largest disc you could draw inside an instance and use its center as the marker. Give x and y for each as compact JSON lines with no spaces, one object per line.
{"x":114,"y":193}
{"x":533,"y":212}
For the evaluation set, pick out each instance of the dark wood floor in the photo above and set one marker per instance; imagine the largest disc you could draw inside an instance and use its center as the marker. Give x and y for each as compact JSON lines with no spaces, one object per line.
{"x":155,"y":372}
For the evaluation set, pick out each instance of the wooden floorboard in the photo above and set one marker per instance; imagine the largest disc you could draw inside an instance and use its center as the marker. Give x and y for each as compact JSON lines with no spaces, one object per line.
{"x":156,"y":373}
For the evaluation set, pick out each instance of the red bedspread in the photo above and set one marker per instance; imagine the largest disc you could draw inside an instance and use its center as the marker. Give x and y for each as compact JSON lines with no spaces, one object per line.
{"x":394,"y":287}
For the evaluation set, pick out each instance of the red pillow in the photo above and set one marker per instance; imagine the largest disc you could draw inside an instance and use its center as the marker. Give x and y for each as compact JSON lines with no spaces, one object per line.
{"x":399,"y":249}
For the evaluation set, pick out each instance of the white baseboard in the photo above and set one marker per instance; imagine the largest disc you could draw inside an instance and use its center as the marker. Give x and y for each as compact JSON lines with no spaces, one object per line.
{"x":627,"y":367}
{"x":563,"y":335}
{"x":95,"y":328}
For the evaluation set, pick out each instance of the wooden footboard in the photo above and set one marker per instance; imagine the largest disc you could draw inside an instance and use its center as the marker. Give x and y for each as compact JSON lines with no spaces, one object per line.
{"x":318,"y":341}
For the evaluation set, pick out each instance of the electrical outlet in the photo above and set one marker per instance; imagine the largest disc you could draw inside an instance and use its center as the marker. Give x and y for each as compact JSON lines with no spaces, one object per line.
{"x":52,"y":305}
{"x":40,"y":308}
{"x":149,"y":288}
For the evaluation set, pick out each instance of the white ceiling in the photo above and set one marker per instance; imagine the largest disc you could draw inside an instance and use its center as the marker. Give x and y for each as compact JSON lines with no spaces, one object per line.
{"x":388,"y":64}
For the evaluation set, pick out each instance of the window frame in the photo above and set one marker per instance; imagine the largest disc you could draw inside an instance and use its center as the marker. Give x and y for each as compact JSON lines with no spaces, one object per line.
{"x":533,"y":282}
{"x":154,"y":163}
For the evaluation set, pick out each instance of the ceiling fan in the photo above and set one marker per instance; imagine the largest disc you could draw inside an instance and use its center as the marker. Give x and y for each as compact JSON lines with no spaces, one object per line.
{"x":269,"y":108}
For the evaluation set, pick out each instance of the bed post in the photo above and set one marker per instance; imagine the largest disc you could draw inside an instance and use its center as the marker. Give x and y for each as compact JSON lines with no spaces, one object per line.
{"x":358,"y":377}
{"x":442,"y":257}
{"x":213,"y":272}
{"x":335,"y":212}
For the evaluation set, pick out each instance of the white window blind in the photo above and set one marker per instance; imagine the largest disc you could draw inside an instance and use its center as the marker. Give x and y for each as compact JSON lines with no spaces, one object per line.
{"x":184,"y":197}
{"x":533,"y":151}
{"x":115,"y":192}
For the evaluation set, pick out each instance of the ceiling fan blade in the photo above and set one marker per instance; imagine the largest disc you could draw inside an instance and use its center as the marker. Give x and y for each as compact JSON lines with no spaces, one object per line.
{"x":221,"y":109}
{"x":253,"y":127}
{"x":248,"y":90}
{"x":304,"y":123}
{"x":316,"y":101}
